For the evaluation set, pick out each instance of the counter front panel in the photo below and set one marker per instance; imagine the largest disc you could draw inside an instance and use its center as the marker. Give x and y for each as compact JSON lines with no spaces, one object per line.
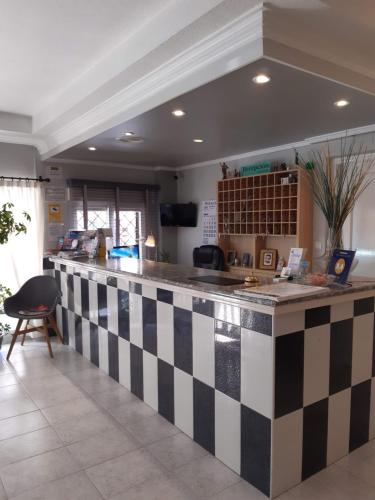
{"x":185,"y":356}
{"x":275,"y":393}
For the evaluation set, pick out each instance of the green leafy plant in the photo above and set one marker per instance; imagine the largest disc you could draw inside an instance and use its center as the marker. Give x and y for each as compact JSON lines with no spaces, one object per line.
{"x":8,"y":227}
{"x":8,"y":224}
{"x":4,"y":294}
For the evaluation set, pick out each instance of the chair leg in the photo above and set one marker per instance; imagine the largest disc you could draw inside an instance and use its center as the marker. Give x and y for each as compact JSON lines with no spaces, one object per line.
{"x":45,"y":328}
{"x":24,"y":335}
{"x":55,"y":327}
{"x":14,"y":338}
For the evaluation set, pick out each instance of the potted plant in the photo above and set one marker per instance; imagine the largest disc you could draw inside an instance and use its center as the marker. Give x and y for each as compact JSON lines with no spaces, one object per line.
{"x":8,"y":226}
{"x":336,"y":187}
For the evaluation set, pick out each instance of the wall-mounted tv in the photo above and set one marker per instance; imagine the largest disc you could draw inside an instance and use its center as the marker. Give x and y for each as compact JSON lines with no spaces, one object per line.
{"x":178,"y":214}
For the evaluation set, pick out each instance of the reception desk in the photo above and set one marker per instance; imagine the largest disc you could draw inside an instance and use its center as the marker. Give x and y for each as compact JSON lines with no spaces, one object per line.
{"x":276,"y":392}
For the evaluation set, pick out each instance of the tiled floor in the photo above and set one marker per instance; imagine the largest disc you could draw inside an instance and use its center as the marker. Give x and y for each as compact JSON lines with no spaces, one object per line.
{"x":68,"y":431}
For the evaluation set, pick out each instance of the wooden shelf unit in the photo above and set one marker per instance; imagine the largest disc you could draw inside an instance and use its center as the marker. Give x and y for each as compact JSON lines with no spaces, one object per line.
{"x":259,"y":211}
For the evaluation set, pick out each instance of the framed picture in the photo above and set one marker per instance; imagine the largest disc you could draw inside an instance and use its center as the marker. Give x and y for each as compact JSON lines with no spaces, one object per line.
{"x":268,"y":258}
{"x":231,"y":257}
{"x":245,"y":259}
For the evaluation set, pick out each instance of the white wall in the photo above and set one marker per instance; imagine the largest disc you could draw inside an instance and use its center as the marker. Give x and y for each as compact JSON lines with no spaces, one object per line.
{"x":198,"y":184}
{"x":18,"y":160}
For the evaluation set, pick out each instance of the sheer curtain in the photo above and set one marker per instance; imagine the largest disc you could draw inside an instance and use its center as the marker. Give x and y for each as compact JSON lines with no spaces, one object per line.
{"x":22,"y":257}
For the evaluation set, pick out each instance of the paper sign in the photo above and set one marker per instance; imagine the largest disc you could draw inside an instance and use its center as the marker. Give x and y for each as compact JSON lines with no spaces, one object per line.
{"x":54,"y":212}
{"x":209,"y":222}
{"x":55,"y":194}
{"x":54,"y":172}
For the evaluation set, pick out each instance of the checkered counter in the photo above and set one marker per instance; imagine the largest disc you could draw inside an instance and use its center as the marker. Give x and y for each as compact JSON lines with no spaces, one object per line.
{"x":275,"y":395}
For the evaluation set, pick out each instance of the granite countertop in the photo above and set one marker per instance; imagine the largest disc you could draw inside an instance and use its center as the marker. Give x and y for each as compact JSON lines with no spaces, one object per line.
{"x":178,"y":275}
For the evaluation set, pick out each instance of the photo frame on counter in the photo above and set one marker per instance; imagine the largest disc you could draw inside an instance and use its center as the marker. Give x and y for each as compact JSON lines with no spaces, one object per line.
{"x":231,"y":257}
{"x":268,"y":259}
{"x":246,"y":259}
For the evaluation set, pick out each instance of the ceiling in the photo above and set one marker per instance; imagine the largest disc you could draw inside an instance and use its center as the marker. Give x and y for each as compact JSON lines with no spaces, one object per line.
{"x":73,"y":69}
{"x":233,"y":116}
{"x":45,"y":45}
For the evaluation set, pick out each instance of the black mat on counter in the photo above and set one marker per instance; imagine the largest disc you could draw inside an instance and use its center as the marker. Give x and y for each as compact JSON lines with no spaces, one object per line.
{"x":218,"y":280}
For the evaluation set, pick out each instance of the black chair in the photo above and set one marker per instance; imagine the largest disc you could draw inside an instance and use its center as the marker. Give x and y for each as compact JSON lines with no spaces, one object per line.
{"x":40,"y":290}
{"x":209,"y":257}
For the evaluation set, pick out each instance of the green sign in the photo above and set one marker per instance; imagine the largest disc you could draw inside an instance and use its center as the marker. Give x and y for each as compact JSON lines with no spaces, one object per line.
{"x":263,"y":167}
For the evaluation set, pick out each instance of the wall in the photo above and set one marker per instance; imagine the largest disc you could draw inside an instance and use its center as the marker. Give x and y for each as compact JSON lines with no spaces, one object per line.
{"x":198,"y":184}
{"x":18,"y":160}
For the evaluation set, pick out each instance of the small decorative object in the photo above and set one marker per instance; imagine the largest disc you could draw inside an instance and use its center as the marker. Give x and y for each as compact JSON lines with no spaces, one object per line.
{"x":252,"y":280}
{"x":231,"y":257}
{"x":284,"y":180}
{"x":340,"y":264}
{"x":285,"y":272}
{"x":268,"y":259}
{"x":224,"y":169}
{"x":280,"y":264}
{"x":336,"y":188}
{"x":236,"y":261}
{"x":316,"y":279}
{"x":282,"y":167}
{"x":245,"y":259}
{"x":236,"y":173}
{"x":151,"y":243}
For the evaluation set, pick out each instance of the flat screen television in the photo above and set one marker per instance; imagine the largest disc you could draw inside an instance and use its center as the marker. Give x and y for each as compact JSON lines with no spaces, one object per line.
{"x":178,"y":214}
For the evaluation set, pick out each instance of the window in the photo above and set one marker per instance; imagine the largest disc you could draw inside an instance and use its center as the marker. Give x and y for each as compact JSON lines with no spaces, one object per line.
{"x":96,"y":219}
{"x":129,"y":227}
{"x":131,"y":211}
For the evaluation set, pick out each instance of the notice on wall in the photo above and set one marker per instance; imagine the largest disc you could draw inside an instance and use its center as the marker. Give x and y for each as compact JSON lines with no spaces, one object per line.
{"x":54,"y":212}
{"x":54,"y":172}
{"x":209,"y":222}
{"x":54,"y":193}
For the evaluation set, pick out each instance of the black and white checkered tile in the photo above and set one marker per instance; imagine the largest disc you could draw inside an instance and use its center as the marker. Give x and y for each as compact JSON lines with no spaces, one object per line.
{"x":324,"y":388}
{"x":205,"y":366}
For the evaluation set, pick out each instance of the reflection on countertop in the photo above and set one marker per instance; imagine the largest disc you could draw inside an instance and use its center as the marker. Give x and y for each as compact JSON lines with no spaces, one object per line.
{"x":179,"y":275}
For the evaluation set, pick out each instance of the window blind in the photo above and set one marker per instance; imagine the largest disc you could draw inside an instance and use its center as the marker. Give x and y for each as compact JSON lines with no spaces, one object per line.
{"x":131,"y":210}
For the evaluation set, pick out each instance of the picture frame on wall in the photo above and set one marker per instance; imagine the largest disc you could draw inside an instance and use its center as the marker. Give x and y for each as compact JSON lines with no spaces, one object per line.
{"x":268,"y":259}
{"x":231,"y":257}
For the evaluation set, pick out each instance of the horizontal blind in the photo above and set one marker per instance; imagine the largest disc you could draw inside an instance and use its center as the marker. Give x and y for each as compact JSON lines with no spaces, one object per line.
{"x":75,"y":208}
{"x":105,"y":203}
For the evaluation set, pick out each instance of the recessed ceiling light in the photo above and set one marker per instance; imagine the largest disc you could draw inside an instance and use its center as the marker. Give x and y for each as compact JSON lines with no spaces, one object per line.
{"x":341,"y":103}
{"x":261,"y":78}
{"x":178,"y":112}
{"x":198,"y":140}
{"x":91,"y":148}
{"x":129,"y":134}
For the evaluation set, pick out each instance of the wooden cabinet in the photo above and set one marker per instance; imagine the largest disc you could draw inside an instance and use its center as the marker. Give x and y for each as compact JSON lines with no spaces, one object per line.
{"x":265,"y":211}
